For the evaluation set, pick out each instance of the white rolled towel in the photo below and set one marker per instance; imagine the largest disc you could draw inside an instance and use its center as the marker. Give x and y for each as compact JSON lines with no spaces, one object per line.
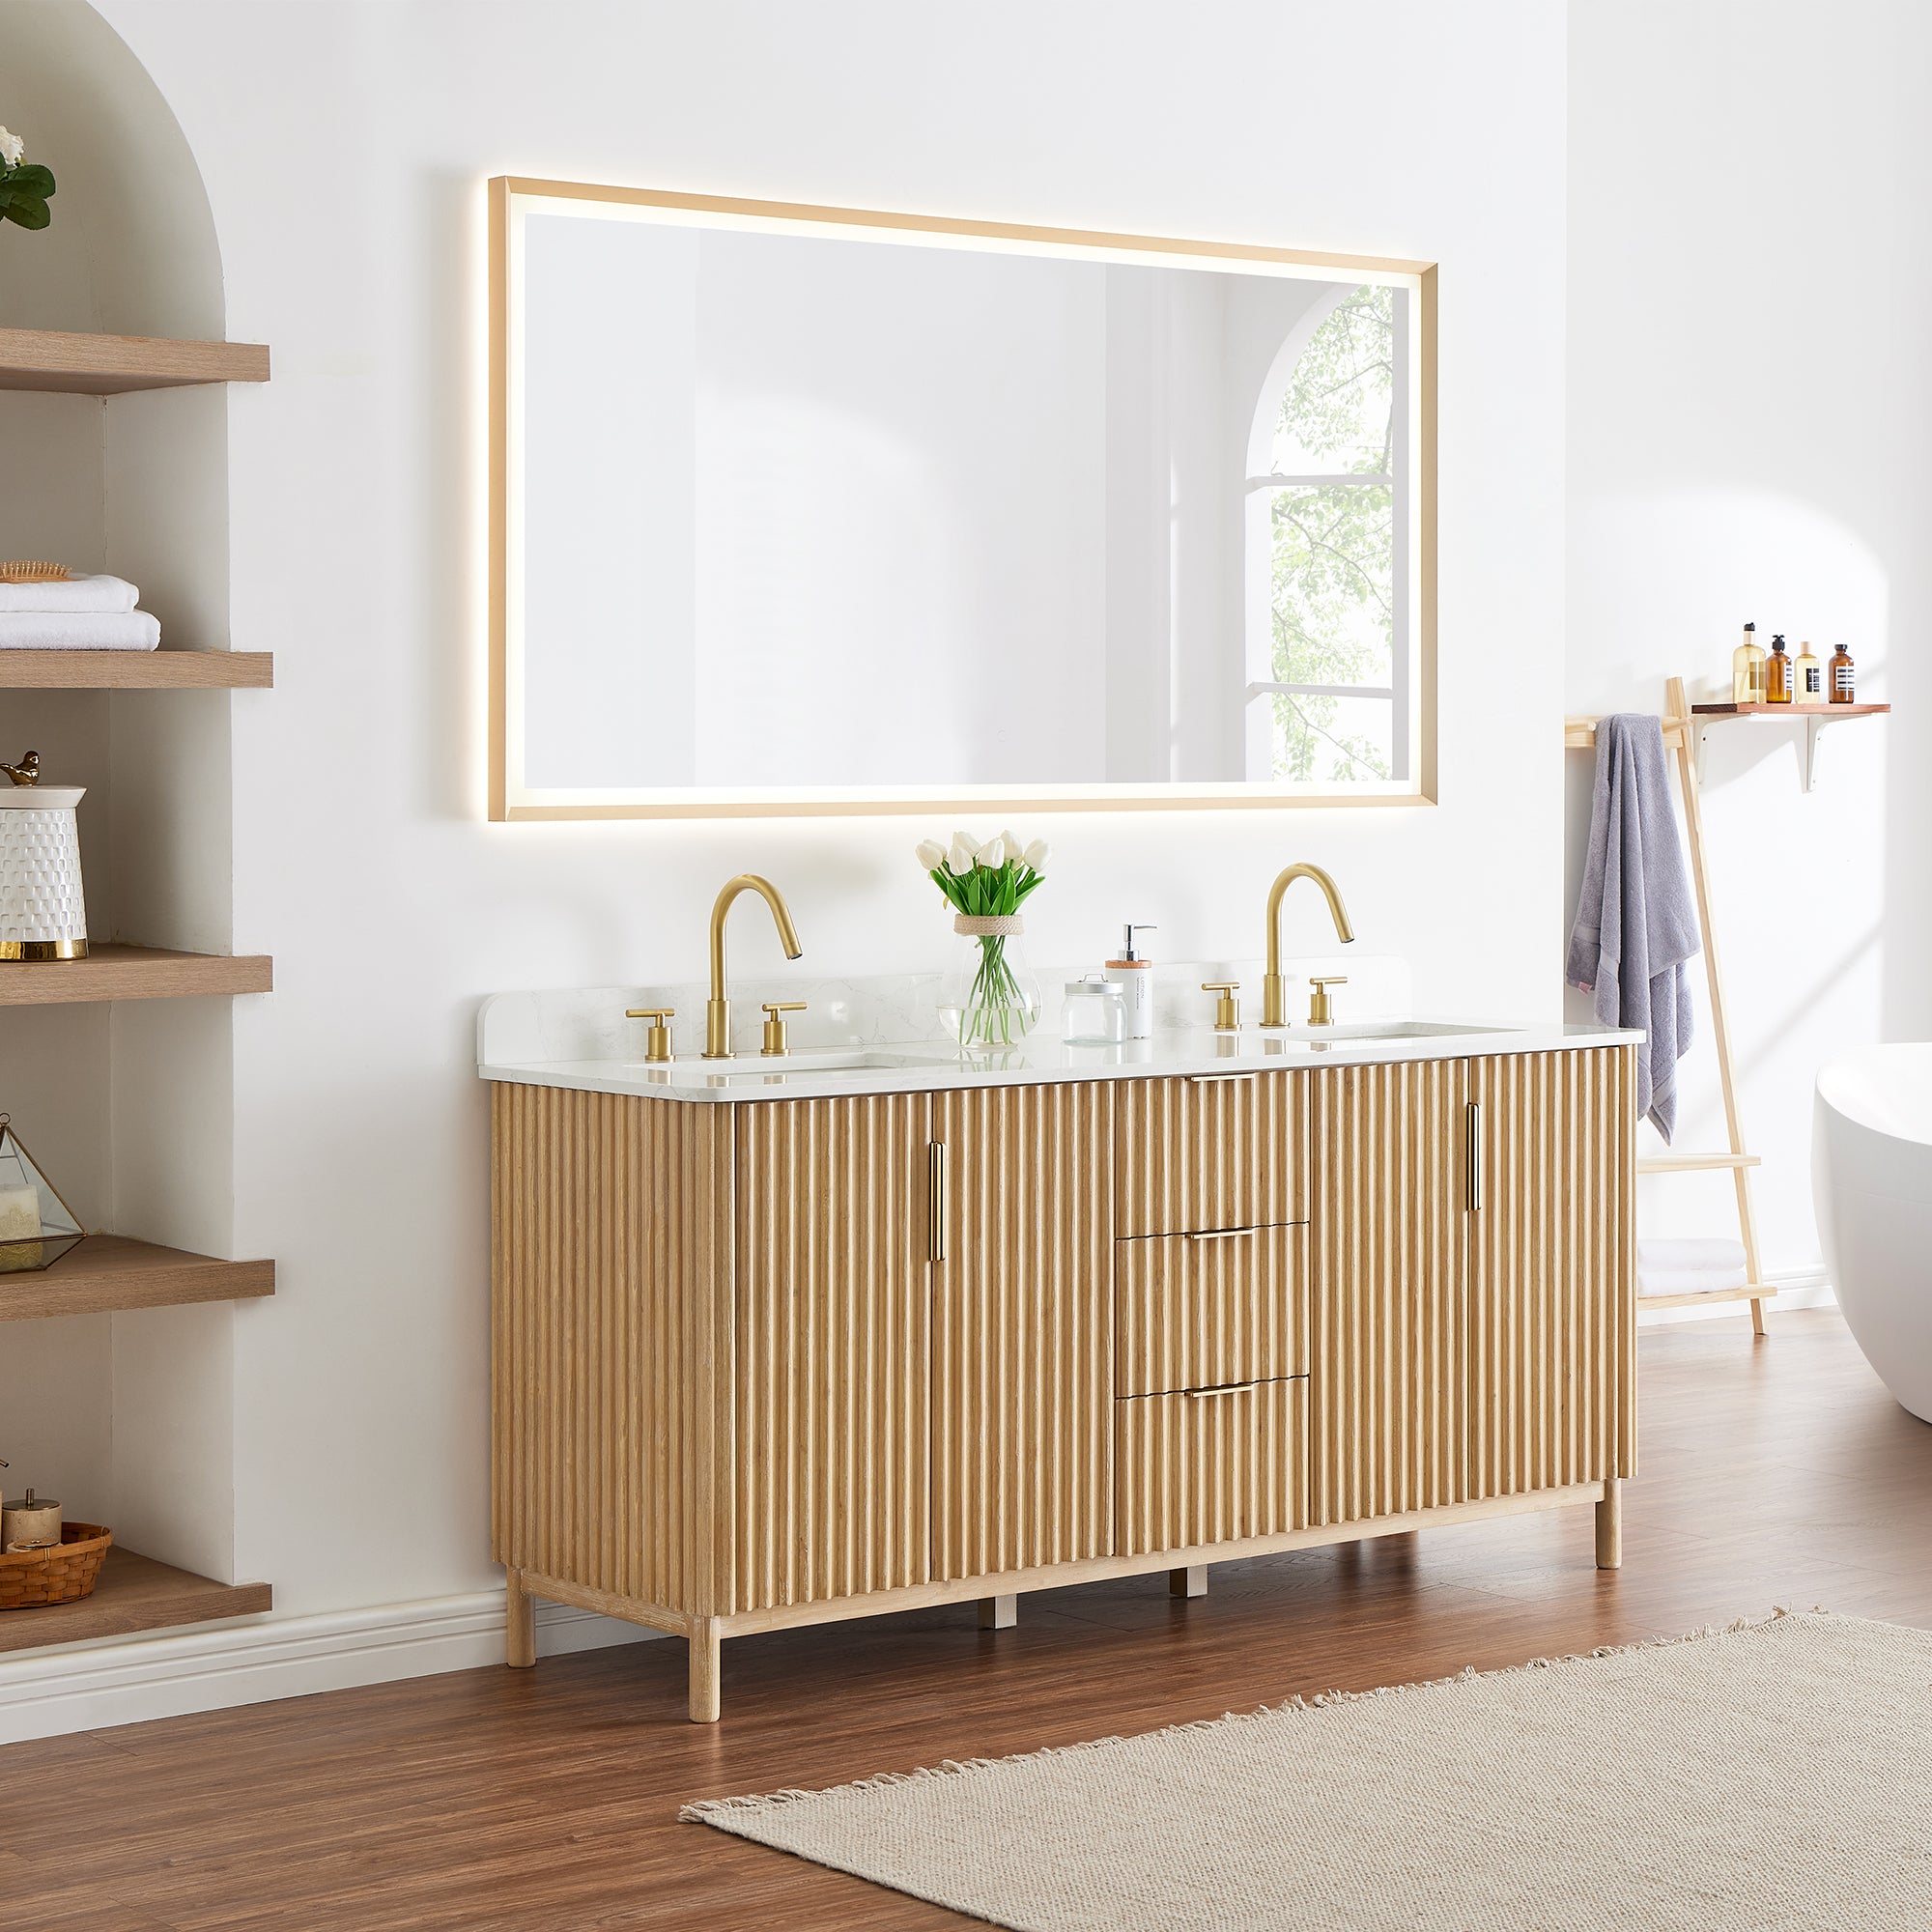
{"x":75,"y":593}
{"x":80,"y":631}
{"x":1700,"y":1256}
{"x":1700,"y":1267}
{"x":1689,"y":1281}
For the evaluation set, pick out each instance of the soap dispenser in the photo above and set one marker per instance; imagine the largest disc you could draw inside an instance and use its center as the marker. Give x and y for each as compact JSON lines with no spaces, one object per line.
{"x":1747,"y":669}
{"x":1136,"y":979}
{"x":1807,"y":676}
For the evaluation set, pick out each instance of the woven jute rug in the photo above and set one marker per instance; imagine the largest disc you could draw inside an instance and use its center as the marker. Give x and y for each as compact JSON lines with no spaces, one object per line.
{"x":1770,"y":1776}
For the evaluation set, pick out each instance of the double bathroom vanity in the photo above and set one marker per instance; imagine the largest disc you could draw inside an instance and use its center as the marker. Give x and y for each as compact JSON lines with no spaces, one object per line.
{"x":781,"y":1338}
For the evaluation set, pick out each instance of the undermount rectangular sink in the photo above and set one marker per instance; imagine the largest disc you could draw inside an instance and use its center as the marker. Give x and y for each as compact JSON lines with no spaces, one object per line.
{"x":1396,"y":1029}
{"x":811,"y":1060}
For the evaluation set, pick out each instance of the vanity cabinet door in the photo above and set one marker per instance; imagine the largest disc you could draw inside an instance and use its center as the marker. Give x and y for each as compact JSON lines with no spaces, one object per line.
{"x":1023,"y":1361}
{"x":832,"y":1384}
{"x":1389,"y":1365}
{"x":1552,"y":1293}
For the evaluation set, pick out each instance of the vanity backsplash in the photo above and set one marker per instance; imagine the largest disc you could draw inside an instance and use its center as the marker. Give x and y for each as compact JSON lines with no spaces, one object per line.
{"x":890,"y":1007}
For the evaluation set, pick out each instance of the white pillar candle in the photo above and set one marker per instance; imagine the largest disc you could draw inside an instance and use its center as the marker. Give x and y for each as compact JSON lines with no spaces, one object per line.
{"x":19,"y":1215}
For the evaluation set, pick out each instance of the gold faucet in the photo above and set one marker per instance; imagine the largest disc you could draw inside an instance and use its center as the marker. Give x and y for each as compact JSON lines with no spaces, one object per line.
{"x":1274,"y":989}
{"x":718,"y":1008}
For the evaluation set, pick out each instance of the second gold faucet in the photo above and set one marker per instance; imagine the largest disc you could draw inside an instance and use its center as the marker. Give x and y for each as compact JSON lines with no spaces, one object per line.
{"x":718,"y":1008}
{"x":1274,"y":987}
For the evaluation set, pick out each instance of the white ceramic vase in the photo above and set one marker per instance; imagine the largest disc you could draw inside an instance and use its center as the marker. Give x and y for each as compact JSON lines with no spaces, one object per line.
{"x":42,"y":908}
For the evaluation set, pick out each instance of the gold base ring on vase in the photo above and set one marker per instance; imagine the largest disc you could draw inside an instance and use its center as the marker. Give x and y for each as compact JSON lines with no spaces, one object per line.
{"x":42,"y":949}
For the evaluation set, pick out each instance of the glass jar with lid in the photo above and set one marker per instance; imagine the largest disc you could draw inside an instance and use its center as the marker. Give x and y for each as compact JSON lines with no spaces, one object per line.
{"x":1096,"y":1012}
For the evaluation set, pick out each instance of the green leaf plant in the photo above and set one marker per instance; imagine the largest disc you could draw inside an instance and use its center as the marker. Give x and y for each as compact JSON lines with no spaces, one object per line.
{"x":25,"y":187}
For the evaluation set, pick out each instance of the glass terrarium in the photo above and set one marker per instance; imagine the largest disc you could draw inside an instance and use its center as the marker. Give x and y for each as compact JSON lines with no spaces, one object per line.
{"x":37,"y":1227}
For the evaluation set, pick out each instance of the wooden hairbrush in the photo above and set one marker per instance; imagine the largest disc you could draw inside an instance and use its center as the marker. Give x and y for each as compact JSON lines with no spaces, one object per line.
{"x":34,"y":573}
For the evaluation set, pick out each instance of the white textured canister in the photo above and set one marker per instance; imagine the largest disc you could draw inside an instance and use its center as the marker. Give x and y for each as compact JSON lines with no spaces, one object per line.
{"x":42,"y":908}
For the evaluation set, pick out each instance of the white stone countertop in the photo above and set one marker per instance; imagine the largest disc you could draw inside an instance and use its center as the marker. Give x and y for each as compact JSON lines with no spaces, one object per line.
{"x":926,"y":1064}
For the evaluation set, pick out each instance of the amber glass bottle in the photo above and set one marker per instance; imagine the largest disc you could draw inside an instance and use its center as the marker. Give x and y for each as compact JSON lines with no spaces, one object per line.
{"x":1809,"y":676}
{"x":1843,"y":680}
{"x":1778,"y":675}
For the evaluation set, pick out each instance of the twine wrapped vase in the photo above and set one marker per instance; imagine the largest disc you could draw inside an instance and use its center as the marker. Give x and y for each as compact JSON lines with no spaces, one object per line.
{"x":989,"y":997}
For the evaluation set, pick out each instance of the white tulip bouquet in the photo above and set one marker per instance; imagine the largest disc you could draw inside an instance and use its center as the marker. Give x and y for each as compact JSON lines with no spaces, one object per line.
{"x":986,"y":885}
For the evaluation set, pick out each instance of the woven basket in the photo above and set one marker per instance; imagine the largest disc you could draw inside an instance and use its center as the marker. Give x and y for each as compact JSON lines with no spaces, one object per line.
{"x":32,"y":1578}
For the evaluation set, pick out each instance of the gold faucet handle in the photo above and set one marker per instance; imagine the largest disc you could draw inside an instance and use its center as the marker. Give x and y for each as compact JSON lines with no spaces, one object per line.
{"x":774,"y":1026}
{"x":1227,"y":1009}
{"x":657,"y":1043}
{"x":1321,"y":1008}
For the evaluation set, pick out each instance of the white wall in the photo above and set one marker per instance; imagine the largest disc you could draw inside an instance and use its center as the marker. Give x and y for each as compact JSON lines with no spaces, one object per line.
{"x":344,"y":147}
{"x":1750,"y":257}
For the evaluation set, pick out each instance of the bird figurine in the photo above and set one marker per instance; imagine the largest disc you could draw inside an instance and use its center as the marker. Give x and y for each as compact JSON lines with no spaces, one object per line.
{"x":27,"y":772}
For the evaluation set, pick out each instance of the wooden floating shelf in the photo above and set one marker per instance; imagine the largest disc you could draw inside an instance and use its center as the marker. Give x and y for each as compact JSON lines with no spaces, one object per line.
{"x":134,"y":1594}
{"x":131,"y":973}
{"x":1827,"y":711}
{"x":1692,"y":1163}
{"x":1703,"y":1296}
{"x":108,"y":1272}
{"x":137,"y":671}
{"x":85,"y":364}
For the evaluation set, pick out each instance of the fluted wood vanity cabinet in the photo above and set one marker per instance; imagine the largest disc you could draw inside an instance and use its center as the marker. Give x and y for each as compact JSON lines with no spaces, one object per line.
{"x":779,"y":1362}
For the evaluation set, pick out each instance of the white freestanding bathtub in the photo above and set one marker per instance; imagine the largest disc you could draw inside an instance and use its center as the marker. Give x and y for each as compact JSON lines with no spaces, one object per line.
{"x":1872,"y":1174}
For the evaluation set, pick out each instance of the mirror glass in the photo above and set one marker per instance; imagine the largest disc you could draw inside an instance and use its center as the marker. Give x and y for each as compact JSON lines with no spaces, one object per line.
{"x":805,"y":510}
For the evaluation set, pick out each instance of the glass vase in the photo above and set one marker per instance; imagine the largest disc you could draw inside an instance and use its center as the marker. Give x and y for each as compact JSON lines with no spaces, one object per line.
{"x":989,"y":997}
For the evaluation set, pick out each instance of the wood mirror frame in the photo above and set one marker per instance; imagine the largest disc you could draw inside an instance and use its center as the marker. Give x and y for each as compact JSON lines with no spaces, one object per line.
{"x":506,"y":798}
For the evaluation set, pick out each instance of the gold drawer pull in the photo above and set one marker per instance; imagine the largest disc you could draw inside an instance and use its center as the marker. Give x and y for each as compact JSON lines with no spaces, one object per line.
{"x":1232,"y":1388}
{"x":1216,"y":1233}
{"x":1202,"y":1079}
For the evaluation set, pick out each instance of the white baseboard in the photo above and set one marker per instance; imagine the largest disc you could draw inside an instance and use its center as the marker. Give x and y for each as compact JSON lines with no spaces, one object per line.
{"x":88,"y":1686}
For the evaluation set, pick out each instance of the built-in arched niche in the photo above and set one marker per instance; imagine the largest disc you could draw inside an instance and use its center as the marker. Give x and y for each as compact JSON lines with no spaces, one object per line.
{"x":127,"y":1417}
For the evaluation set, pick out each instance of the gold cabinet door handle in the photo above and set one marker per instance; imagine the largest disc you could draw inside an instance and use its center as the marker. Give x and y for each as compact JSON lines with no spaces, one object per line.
{"x":1472,"y":1147}
{"x":935,"y":1199}
{"x":1216,"y":1233}
{"x":1202,"y":1079}
{"x":1230,"y":1388}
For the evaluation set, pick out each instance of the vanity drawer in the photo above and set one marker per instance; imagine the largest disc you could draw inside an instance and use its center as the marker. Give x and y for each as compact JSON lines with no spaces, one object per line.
{"x":1209,"y":1465}
{"x":1194,"y":1311}
{"x":1199,"y":1153}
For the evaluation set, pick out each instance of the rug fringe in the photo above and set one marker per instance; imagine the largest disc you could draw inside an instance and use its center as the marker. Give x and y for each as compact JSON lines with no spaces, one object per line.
{"x":704,"y":1810}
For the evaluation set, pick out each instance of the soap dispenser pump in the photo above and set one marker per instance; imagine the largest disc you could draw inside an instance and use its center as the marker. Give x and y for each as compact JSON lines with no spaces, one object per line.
{"x":1136,"y":978}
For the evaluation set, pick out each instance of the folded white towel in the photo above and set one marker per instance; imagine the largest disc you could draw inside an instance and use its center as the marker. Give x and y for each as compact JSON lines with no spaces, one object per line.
{"x":79,"y":630}
{"x":1702,"y":1257}
{"x":77,"y":593}
{"x":1688,"y":1281}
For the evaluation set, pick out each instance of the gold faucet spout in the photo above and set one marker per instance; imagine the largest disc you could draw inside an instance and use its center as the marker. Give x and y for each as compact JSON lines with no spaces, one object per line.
{"x":1274,"y":989}
{"x":718,"y":1008}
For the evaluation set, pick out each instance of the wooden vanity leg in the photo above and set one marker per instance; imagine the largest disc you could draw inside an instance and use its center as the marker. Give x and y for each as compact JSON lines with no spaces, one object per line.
{"x":519,"y":1623}
{"x":1610,"y":1526}
{"x":707,"y":1645}
{"x":1190,"y":1583}
{"x":999,"y":1613}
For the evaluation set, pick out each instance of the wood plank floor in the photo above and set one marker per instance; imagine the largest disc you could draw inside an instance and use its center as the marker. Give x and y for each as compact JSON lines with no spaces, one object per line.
{"x":1775,"y":1474}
